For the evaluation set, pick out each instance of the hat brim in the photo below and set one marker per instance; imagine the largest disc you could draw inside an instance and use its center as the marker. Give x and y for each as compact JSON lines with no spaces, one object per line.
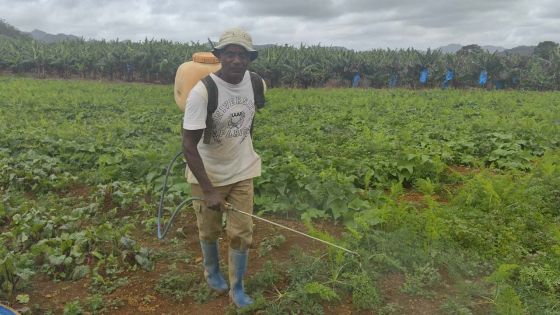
{"x":253,"y":54}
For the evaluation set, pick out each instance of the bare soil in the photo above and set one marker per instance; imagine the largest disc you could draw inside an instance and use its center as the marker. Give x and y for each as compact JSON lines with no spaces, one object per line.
{"x":139,"y":296}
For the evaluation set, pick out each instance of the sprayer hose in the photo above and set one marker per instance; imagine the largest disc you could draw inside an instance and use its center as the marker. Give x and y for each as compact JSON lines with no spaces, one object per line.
{"x":161,"y":234}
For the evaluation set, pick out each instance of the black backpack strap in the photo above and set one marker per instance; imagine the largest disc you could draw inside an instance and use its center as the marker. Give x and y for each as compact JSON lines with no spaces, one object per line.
{"x":212,"y":90}
{"x":258,"y":89}
{"x":258,"y":94}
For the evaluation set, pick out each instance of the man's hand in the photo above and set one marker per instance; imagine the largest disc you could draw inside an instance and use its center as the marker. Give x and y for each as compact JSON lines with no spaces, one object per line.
{"x":212,"y":197}
{"x":214,"y":200}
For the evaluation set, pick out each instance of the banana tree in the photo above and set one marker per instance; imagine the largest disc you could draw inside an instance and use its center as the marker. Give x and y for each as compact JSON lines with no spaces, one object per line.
{"x":63,"y":60}
{"x":12,"y":55}
{"x":493,"y":64}
{"x":430,"y":61}
{"x":299,"y":69}
{"x":270,"y":64}
{"x":373,"y":65}
{"x":38,"y":57}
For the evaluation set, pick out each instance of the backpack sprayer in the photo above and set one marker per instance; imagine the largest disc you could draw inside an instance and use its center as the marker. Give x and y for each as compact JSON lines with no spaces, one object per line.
{"x":188,"y":74}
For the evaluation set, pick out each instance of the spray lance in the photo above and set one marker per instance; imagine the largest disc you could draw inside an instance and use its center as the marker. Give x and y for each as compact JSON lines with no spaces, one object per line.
{"x":162,"y":230}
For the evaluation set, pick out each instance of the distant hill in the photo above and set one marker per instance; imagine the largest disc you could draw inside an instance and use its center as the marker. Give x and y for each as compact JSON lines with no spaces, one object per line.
{"x":520,"y":50}
{"x":50,"y":38}
{"x":453,"y":48}
{"x":492,"y":49}
{"x":10,"y":31}
{"x":450,"y":49}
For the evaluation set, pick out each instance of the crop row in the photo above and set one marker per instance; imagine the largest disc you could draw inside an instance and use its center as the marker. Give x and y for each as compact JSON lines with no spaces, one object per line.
{"x":81,"y":163}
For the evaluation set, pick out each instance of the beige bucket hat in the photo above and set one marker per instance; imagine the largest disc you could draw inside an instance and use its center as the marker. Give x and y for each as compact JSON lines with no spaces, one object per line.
{"x":236,"y":36}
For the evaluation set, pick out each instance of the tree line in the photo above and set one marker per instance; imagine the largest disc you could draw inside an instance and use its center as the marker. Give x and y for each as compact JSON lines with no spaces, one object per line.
{"x":287,"y":66}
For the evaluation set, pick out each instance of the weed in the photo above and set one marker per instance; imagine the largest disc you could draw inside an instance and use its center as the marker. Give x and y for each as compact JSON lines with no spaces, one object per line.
{"x":508,"y":302}
{"x":259,"y":306}
{"x":269,"y":243}
{"x":202,"y":293}
{"x":179,"y":284}
{"x":298,"y":298}
{"x":454,"y":307}
{"x":95,"y":303}
{"x":390,"y":309}
{"x":100,"y":284}
{"x":304,"y":268}
{"x":420,"y":279}
{"x":176,"y":284}
{"x":264,"y":279}
{"x":73,"y":308}
{"x":365,"y":295}
{"x":320,"y":290}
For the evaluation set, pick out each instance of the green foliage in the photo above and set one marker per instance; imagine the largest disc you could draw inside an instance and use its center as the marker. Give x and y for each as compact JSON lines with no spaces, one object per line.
{"x":15,"y":271}
{"x":330,"y":165}
{"x":95,"y":303}
{"x":77,"y":181}
{"x":508,"y":302}
{"x":296,"y":298}
{"x":266,"y":245}
{"x":390,"y":308}
{"x":543,"y":277}
{"x":365,"y":295}
{"x":259,"y":304}
{"x":289,"y":66}
{"x":453,"y":307}
{"x":420,"y":280}
{"x":202,"y":294}
{"x":264,"y":279}
{"x":177,"y":284}
{"x":22,"y":298}
{"x":73,"y":308}
{"x":503,"y":274}
{"x":320,"y":290}
{"x":304,"y":268}
{"x":426,"y":186}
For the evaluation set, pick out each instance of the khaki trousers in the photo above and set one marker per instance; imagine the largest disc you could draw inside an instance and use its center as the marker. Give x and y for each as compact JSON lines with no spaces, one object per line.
{"x":239,"y":227}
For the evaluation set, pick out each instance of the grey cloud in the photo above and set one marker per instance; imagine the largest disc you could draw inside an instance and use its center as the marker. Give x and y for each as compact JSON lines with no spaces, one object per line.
{"x":314,"y":9}
{"x":358,"y":24}
{"x":549,"y":10}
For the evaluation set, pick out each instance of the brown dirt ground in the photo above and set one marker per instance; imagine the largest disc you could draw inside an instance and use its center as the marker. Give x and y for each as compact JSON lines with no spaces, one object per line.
{"x":138,"y":295}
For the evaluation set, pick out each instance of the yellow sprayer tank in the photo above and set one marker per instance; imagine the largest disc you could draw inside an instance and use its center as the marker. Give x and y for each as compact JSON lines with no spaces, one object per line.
{"x":189,"y":73}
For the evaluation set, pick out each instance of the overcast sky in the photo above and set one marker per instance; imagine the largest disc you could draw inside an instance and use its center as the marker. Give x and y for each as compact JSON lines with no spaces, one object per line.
{"x":355,"y":24}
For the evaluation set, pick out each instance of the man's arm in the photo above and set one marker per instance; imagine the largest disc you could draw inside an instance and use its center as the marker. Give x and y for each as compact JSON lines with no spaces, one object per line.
{"x":194,"y":161}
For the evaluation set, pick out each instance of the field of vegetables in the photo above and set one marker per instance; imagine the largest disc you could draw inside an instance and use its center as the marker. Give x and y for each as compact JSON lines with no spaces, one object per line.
{"x":451,"y":198}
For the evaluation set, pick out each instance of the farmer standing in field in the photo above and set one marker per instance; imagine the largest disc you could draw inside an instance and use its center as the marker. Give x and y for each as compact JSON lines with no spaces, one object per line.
{"x":221,"y":159}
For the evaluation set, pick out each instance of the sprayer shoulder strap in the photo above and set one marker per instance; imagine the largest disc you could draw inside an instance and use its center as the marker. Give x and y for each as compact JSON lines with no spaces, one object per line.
{"x":258,"y":89}
{"x":212,"y":89}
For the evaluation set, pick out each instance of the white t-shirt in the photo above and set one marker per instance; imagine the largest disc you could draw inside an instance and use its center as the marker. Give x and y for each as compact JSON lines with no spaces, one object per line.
{"x":229,"y":157}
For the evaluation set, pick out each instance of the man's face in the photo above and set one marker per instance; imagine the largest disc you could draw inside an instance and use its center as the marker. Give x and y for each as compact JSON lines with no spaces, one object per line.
{"x":235,"y":60}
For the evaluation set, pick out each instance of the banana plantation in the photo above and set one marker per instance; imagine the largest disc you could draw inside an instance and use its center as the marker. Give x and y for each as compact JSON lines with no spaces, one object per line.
{"x":289,"y":66}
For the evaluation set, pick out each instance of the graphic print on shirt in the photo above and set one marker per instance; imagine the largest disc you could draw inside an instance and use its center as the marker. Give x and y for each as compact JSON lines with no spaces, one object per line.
{"x":232,"y":119}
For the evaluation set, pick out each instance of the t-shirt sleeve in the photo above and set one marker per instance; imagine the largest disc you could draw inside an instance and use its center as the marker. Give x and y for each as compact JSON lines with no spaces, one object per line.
{"x":196,"y":108}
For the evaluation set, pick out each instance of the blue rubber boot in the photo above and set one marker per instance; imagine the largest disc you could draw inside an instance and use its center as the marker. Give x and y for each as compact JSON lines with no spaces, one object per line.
{"x":237,"y":268}
{"x":211,"y":265}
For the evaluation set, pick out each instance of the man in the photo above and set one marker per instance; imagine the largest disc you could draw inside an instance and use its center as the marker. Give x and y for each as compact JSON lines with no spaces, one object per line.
{"x":222,"y":163}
